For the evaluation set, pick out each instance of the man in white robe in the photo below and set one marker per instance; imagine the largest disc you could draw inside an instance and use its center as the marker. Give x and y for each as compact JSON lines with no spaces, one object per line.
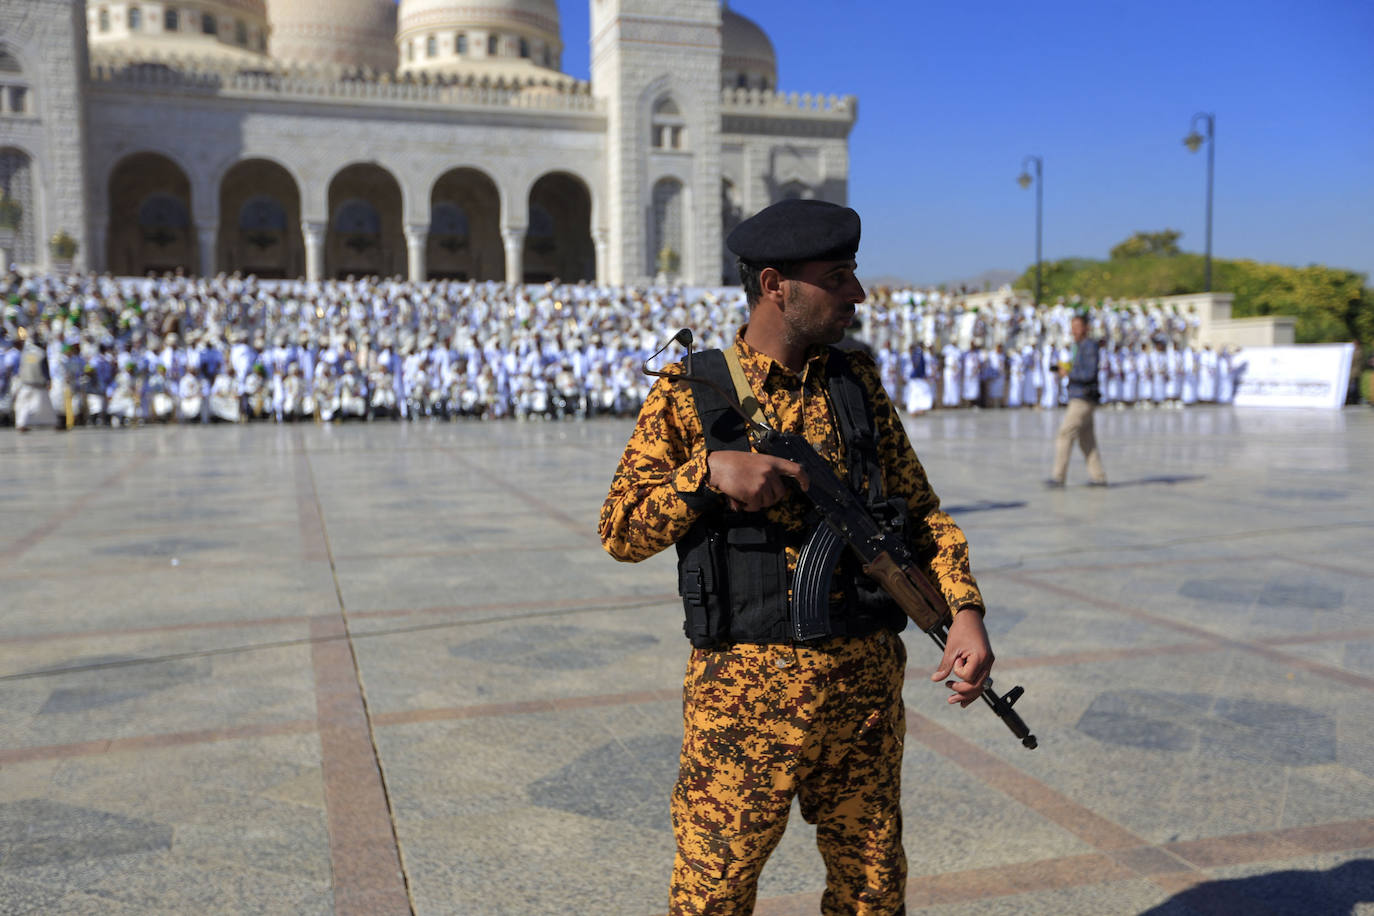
{"x":33,"y":401}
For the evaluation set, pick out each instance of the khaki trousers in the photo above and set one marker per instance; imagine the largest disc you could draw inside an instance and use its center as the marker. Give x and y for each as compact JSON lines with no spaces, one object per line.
{"x":1078,"y":424}
{"x":765,"y":724}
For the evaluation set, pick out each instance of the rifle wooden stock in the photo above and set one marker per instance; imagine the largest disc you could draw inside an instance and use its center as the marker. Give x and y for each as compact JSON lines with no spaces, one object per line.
{"x":905,"y":587}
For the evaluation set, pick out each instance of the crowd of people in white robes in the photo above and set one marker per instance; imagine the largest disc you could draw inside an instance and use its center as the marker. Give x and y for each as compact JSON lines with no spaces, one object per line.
{"x":88,"y":349}
{"x":937,"y":353}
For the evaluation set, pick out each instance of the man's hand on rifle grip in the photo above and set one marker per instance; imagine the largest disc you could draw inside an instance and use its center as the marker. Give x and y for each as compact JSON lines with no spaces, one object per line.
{"x":968,"y":656}
{"x":752,"y":481}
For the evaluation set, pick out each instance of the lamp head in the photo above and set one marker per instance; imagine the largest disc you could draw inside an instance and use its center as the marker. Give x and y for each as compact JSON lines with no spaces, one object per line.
{"x":1194,"y":141}
{"x":1024,"y":180}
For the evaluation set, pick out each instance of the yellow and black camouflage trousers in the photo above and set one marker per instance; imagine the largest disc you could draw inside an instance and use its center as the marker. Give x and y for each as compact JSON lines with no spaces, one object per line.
{"x":764,"y":724}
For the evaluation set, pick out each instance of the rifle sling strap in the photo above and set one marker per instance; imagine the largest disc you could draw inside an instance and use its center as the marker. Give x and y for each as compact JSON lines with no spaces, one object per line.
{"x":743,"y":392}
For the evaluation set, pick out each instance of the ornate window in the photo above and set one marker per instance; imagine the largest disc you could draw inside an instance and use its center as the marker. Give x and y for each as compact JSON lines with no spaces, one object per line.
{"x":667,"y":128}
{"x":410,"y":50}
{"x":448,"y":226}
{"x":357,"y":218}
{"x":208,"y":25}
{"x":460,"y":43}
{"x":103,"y":18}
{"x":493,"y":45}
{"x":524,"y":47}
{"x":241,"y":32}
{"x":163,"y":219}
{"x":135,"y":18}
{"x":431,"y":46}
{"x":262,"y":220}
{"x":15,"y":98}
{"x":171,"y":19}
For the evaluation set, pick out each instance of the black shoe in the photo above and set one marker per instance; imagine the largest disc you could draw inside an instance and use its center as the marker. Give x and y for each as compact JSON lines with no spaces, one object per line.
{"x":1053,"y":484}
{"x":1098,"y":483}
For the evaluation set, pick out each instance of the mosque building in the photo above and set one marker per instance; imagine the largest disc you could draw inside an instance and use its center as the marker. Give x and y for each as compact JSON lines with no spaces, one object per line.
{"x":425,"y":139}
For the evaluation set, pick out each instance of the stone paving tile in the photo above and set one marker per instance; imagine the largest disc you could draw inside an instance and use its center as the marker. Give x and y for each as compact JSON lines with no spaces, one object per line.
{"x":1179,"y":635}
{"x":116,"y":696}
{"x":593,"y":652}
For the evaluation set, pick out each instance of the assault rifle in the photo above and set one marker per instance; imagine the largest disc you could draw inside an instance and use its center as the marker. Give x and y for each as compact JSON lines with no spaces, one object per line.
{"x":846,"y":522}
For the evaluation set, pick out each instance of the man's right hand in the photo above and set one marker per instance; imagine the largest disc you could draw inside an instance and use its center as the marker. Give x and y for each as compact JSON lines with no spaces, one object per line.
{"x":751,"y":481}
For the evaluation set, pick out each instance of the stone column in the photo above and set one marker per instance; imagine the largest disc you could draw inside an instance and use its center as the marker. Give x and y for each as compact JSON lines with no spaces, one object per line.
{"x":513,"y":238}
{"x":312,"y":235}
{"x":417,"y":237}
{"x":207,"y":234}
{"x":601,"y":239}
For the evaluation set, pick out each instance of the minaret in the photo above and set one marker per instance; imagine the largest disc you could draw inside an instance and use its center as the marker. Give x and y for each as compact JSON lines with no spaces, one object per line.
{"x":45,"y":46}
{"x":647,"y":54}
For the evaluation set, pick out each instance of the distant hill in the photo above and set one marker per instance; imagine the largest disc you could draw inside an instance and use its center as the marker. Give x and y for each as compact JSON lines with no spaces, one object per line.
{"x":988,"y":279}
{"x":891,"y":280}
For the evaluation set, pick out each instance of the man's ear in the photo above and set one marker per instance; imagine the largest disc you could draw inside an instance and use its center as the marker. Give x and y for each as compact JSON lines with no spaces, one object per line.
{"x":770,"y":284}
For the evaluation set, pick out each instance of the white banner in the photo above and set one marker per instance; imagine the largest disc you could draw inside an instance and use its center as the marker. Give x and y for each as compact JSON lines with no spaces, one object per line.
{"x":1315,"y":375}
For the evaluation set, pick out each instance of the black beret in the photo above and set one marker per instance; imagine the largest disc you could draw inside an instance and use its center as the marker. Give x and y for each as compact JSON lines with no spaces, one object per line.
{"x":797,"y":230}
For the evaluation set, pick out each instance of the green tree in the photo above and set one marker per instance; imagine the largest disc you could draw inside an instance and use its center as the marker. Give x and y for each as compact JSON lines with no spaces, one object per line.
{"x":1148,"y":245}
{"x":1329,"y":304}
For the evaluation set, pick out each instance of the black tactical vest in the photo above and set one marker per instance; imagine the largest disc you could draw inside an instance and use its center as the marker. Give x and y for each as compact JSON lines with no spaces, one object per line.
{"x":732,"y":566}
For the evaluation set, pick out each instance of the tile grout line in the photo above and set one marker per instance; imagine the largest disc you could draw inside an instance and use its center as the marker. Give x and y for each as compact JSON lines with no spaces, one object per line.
{"x":567,"y":521}
{"x":1119,"y":854}
{"x":21,"y":545}
{"x":1257,"y":648}
{"x":547,"y":608}
{"x":367,"y":863}
{"x":546,"y":704}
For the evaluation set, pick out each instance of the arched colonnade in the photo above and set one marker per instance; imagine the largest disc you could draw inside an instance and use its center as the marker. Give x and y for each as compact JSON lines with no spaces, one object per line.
{"x":260,"y":217}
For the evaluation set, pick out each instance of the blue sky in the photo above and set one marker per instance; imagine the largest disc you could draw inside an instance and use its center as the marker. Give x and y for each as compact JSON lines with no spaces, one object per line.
{"x":953,"y":94}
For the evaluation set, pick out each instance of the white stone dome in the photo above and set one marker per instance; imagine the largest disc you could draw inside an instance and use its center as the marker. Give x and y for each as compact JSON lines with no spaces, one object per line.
{"x":496,"y":37}
{"x":747,"y":56}
{"x":233,"y":31}
{"x":346,"y":33}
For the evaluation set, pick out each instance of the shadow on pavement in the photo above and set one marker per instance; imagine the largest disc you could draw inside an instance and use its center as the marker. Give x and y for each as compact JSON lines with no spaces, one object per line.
{"x":986,"y":505}
{"x":1168,"y":479}
{"x":1335,"y":892}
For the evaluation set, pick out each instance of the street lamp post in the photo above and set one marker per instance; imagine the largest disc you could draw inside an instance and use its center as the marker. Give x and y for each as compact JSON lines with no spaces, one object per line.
{"x":1194,"y":142}
{"x":1024,"y":180}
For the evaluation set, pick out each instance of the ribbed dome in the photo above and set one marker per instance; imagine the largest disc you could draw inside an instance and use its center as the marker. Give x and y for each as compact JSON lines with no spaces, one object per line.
{"x":747,"y":55}
{"x":537,"y":15}
{"x":349,"y":33}
{"x":471,"y":36}
{"x":225,"y":30}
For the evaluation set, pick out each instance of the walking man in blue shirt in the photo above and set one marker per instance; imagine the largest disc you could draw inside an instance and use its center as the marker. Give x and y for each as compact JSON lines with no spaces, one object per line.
{"x":1084,"y":395}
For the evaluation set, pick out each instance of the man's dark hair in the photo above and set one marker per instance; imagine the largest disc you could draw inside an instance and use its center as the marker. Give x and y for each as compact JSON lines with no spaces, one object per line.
{"x":749,"y":277}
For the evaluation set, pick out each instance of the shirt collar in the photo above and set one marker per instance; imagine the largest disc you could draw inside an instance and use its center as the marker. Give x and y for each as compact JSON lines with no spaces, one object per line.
{"x":762,"y":369}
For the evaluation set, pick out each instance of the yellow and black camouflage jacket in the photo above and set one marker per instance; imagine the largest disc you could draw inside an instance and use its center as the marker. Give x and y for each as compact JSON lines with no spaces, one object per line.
{"x":665,"y":459}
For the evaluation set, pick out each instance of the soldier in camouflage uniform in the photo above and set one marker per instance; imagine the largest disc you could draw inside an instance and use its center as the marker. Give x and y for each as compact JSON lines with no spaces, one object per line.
{"x":767,"y":718}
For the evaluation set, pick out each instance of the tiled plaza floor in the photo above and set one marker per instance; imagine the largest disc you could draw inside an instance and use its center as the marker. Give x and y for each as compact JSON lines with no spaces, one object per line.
{"x":388,"y":669}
